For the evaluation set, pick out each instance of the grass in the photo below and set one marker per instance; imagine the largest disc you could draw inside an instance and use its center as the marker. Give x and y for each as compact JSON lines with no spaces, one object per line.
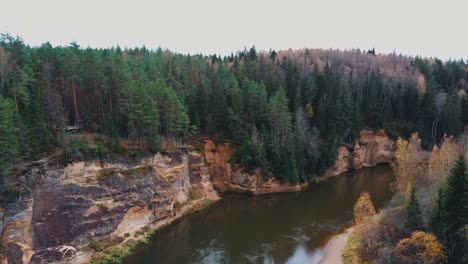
{"x":116,"y":255}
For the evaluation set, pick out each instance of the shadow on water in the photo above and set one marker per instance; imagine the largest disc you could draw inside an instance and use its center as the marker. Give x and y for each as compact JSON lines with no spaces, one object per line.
{"x":278,"y":228}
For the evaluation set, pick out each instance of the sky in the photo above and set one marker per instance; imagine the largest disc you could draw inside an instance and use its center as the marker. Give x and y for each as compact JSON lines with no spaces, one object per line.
{"x":411,"y":27}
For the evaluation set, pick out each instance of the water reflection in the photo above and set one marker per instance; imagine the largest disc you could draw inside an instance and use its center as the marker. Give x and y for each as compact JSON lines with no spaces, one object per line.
{"x":280,"y":228}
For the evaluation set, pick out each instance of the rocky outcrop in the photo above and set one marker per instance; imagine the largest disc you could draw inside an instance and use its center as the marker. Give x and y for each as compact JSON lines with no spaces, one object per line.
{"x":73,"y":209}
{"x":232,"y":178}
{"x":370,"y":149}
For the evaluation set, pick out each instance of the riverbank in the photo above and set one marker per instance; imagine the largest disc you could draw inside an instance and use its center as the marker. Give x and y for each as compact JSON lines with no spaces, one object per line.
{"x":334,"y":249}
{"x":127,"y":246}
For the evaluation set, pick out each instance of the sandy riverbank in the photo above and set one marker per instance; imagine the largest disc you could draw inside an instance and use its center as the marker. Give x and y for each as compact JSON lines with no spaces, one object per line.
{"x":335,"y":247}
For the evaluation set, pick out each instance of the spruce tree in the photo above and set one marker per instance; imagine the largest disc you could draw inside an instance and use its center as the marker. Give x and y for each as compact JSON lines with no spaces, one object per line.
{"x":465,"y":110}
{"x":456,"y":202}
{"x":439,"y":216}
{"x":414,"y":217}
{"x":8,"y":140}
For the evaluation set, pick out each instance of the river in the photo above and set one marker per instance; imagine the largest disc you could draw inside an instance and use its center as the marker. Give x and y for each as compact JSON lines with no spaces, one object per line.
{"x":287,"y":228}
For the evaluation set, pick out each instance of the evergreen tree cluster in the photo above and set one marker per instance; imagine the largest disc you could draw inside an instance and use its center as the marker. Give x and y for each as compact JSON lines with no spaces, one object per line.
{"x":286,"y":111}
{"x":450,"y":217}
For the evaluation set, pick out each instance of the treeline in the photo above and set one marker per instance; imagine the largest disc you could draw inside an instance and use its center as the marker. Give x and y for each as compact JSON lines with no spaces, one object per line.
{"x":286,"y":111}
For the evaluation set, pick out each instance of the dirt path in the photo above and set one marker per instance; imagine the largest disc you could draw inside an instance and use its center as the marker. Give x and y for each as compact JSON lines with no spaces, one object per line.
{"x":335,"y":247}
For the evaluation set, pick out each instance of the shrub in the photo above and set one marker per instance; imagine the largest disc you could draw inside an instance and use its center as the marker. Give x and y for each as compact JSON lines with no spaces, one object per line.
{"x":351,"y":253}
{"x":421,"y":248}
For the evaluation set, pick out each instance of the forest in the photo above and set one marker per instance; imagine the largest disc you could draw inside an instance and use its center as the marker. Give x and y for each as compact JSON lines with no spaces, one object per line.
{"x":286,"y":111}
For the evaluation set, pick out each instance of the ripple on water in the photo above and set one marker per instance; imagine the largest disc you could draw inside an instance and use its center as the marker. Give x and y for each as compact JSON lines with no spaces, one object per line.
{"x":213,"y":253}
{"x":302,"y":256}
{"x":261,"y":256}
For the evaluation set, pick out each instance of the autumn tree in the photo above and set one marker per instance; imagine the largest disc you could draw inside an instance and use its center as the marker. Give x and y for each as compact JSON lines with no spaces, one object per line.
{"x":442,"y":160}
{"x":420,"y":248}
{"x":421,"y":85}
{"x":411,"y":164}
{"x":363,"y":209}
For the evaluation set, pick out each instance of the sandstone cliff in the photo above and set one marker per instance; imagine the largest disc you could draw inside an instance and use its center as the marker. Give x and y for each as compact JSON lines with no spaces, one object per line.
{"x":228,"y":177}
{"x":75,"y":210}
{"x":370,"y":149}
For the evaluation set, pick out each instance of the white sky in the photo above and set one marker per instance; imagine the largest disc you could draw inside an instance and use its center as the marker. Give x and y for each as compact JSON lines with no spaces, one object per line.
{"x":414,"y":27}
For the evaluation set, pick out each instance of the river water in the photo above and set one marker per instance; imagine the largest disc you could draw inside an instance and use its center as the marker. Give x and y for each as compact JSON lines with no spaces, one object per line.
{"x":287,"y":228}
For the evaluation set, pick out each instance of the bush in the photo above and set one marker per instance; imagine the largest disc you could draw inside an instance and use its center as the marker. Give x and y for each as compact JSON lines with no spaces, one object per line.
{"x":420,"y":248}
{"x":79,"y":148}
{"x":351,"y":252}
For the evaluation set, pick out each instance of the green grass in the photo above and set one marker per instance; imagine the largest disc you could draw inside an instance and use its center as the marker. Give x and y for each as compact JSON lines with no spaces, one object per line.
{"x":116,"y":255}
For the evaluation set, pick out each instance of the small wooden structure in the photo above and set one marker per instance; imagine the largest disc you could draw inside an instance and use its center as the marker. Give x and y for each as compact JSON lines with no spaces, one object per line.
{"x":69,"y":129}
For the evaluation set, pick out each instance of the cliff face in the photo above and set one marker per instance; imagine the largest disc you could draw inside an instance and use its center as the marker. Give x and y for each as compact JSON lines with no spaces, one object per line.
{"x":233,"y":178}
{"x":370,"y":149}
{"x":76,"y":208}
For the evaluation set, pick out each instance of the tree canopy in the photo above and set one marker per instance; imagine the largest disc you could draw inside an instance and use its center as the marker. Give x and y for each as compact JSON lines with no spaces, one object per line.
{"x":286,"y":111}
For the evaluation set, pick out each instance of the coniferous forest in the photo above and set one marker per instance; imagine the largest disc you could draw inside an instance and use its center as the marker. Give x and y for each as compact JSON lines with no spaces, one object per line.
{"x":286,"y":111}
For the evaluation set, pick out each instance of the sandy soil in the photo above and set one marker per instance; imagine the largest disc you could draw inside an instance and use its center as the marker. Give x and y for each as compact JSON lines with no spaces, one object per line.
{"x":335,"y":247}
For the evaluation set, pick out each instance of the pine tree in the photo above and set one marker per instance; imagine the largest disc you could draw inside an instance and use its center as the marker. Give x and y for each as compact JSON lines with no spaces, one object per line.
{"x":439,"y":216}
{"x":452,"y":116}
{"x":8,"y":140}
{"x":457,"y":196}
{"x":465,"y":110}
{"x":456,"y":206}
{"x":414,"y":216}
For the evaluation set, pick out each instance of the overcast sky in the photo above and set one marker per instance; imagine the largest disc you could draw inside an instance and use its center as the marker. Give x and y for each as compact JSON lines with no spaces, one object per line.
{"x":414,"y":27}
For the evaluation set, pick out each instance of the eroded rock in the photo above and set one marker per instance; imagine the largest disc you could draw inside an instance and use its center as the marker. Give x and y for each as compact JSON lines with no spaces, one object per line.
{"x":72,"y":206}
{"x":369,"y":150}
{"x":227,"y":177}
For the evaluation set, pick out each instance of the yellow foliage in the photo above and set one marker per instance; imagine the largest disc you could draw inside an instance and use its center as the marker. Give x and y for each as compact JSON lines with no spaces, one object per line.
{"x":421,"y":85}
{"x":443,"y":159}
{"x":363,"y":209}
{"x":309,"y":111}
{"x":411,"y":164}
{"x":421,"y":248}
